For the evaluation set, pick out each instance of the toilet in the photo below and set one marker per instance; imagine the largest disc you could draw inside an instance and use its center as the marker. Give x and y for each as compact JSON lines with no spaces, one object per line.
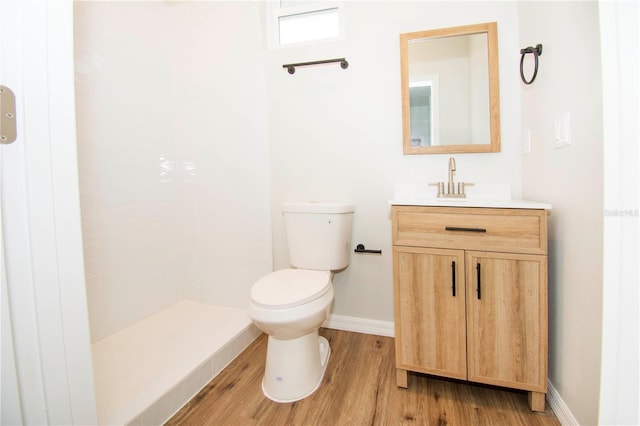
{"x":290,"y":304}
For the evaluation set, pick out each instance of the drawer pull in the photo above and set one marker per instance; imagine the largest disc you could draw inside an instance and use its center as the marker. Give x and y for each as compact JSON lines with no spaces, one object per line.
{"x":453,"y":274}
{"x":456,"y":228}
{"x":479,"y":284}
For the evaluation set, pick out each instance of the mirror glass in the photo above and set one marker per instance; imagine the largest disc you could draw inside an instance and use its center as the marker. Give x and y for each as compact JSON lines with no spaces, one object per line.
{"x":450,"y":90}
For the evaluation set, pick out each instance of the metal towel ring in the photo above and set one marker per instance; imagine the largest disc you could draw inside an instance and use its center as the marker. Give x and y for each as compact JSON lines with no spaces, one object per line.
{"x":537,"y":51}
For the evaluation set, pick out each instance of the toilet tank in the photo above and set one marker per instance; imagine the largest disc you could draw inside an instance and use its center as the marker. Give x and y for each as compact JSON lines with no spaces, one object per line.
{"x":318,"y":234}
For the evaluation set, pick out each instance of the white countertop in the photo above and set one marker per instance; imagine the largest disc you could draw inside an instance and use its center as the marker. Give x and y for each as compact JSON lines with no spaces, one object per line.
{"x":467,"y":202}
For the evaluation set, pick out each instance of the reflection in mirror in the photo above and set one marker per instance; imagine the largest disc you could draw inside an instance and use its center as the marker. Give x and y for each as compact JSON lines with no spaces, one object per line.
{"x":424,"y":108}
{"x":450,"y":97}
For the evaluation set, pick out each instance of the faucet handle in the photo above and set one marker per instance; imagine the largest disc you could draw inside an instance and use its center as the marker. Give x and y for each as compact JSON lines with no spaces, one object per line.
{"x":440,"y":186}
{"x":462,"y":186}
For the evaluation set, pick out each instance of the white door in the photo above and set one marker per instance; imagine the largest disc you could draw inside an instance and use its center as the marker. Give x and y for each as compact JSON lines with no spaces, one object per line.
{"x":620,"y":372}
{"x":46,"y":354}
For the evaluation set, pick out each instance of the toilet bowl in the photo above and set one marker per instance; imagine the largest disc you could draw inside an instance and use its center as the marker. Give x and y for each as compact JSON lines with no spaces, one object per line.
{"x":296,"y":355}
{"x":291,"y":304}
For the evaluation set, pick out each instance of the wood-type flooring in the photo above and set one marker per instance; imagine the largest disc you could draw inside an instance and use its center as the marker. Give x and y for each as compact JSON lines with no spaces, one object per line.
{"x":358,"y":389}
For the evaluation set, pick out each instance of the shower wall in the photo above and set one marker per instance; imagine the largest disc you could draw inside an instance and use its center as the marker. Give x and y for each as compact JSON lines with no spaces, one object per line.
{"x":173,"y":155}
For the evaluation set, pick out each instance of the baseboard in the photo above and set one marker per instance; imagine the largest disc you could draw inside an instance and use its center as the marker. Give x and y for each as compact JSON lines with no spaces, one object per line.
{"x":560,"y":409}
{"x":360,"y":325}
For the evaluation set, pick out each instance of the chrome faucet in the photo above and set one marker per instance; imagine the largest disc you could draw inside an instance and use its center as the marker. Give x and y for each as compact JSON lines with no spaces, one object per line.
{"x":451,"y":186}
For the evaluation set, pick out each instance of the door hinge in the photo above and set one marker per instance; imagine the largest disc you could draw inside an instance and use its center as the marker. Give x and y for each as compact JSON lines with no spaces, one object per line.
{"x":8,"y":126}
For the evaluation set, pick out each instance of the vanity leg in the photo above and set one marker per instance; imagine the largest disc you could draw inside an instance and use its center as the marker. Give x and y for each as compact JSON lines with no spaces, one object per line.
{"x":401,"y":378}
{"x":536,"y":401}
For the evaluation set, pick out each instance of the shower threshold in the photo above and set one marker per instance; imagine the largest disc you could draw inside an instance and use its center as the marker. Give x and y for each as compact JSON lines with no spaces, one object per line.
{"x":148,"y":371}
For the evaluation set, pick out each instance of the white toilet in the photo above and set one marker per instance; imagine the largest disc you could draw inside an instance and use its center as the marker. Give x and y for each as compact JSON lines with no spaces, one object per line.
{"x":291,"y":304}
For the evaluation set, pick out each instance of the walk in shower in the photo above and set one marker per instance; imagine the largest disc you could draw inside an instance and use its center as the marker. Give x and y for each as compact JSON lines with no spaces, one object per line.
{"x":174,"y":188}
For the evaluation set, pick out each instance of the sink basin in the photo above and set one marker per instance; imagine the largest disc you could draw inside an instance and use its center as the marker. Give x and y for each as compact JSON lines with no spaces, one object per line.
{"x":480,"y":195}
{"x":453,"y":202}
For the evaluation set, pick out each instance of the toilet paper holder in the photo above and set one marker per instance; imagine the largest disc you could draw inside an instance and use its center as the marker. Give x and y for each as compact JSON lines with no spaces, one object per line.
{"x":361,"y":249}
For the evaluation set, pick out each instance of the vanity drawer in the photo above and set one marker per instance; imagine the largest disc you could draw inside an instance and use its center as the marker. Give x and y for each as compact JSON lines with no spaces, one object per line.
{"x":488,"y":229}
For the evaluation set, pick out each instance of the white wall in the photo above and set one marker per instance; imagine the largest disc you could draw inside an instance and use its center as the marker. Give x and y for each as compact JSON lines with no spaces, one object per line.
{"x":571,"y":178}
{"x":173,"y":155}
{"x":337,"y":134}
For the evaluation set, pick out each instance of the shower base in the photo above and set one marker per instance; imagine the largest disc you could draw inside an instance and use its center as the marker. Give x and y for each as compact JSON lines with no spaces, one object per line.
{"x":147,"y":372}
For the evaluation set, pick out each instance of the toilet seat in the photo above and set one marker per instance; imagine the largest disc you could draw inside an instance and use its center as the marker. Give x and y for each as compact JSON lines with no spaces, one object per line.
{"x":288,"y":288}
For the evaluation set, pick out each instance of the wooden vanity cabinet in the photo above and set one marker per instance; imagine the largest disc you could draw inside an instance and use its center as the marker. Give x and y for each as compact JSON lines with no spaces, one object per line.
{"x":470,"y":295}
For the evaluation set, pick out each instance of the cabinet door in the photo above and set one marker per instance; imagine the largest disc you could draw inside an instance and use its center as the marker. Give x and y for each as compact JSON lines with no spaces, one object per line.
{"x":430,"y":311}
{"x":507,"y":319}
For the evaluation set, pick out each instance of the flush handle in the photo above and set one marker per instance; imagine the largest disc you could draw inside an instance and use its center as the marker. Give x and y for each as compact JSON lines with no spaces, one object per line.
{"x":8,"y":126}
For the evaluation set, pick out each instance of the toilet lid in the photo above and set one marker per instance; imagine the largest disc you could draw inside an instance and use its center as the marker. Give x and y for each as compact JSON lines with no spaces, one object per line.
{"x":287,"y":288}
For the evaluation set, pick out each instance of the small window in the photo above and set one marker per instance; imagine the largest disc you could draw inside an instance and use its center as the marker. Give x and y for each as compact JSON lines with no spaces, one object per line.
{"x":309,"y":26}
{"x":296,"y":22}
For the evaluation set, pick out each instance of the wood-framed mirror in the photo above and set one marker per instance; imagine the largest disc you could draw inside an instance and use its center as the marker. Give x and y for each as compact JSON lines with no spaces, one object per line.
{"x":450,"y":90}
